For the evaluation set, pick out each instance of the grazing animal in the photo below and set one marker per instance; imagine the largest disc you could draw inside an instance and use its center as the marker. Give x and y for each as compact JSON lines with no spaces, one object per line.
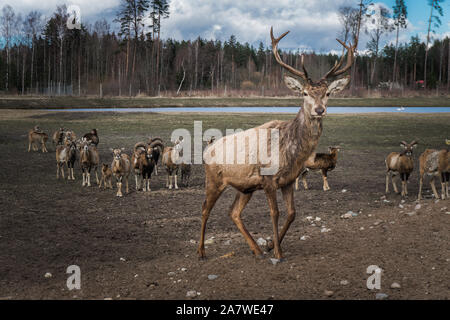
{"x":435,"y":163}
{"x":89,"y":159}
{"x":58,"y":137}
{"x":66,"y":155}
{"x":401,"y":163}
{"x":298,"y":139}
{"x":36,"y":137}
{"x":92,"y":137}
{"x":171,"y":161}
{"x":121,"y":167}
{"x":320,"y":161}
{"x":106,"y":179}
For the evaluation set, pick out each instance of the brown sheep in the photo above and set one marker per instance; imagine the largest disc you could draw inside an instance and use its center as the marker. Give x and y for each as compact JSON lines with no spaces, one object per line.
{"x":37,"y":137}
{"x":320,"y":161}
{"x":400,"y":163}
{"x":435,"y":163}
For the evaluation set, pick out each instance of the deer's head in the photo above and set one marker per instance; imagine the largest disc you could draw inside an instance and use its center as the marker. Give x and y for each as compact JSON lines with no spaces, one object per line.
{"x":316,"y":93}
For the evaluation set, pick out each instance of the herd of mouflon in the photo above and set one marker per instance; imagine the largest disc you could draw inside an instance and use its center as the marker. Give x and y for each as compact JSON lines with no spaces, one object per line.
{"x":146,"y":156}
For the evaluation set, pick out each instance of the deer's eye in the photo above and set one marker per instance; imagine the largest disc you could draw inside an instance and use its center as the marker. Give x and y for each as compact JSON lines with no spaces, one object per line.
{"x":305,"y":94}
{"x":328,"y":94}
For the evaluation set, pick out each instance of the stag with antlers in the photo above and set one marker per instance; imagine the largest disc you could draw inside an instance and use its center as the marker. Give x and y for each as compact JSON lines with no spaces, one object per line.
{"x":298,"y":139}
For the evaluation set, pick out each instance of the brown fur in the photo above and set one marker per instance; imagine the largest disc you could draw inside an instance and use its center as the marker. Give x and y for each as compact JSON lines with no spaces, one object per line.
{"x":324,"y":162}
{"x":435,"y":163}
{"x":92,"y":137}
{"x":121,"y":167}
{"x":170,"y":159}
{"x":298,"y":139}
{"x":37,"y":138}
{"x":89,"y":159}
{"x":401,"y":163}
{"x":58,"y":137}
{"x":106,"y":179}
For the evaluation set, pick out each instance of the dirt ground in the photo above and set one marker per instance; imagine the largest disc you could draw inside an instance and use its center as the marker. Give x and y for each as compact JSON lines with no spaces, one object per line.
{"x":143,"y":246}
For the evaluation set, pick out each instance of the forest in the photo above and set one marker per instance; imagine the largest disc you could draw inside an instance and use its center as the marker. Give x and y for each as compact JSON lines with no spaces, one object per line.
{"x":127,"y":57}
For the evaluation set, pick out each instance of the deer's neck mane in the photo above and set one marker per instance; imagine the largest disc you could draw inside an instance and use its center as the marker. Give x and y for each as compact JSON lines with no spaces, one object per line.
{"x":299,"y":138}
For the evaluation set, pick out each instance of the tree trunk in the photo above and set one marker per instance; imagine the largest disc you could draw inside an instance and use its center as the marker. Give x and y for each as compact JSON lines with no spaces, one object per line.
{"x":426,"y":49}
{"x":394,"y":72}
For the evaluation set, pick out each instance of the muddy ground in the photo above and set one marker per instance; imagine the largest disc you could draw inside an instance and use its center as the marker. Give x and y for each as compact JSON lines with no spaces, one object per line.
{"x":143,"y":246}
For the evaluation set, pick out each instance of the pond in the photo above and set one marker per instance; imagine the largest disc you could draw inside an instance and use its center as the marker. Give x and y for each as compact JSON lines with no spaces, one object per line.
{"x":331,"y":110}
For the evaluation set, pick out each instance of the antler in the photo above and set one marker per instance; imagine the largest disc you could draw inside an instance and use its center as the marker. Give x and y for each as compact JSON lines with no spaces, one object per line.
{"x":304,"y":74}
{"x":336,"y":71}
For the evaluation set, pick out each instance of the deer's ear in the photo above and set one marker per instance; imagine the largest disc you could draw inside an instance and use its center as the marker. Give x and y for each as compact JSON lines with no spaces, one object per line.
{"x":338,"y":85}
{"x":293,"y":84}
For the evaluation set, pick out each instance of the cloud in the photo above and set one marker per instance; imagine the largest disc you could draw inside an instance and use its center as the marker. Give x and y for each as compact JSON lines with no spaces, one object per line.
{"x":90,"y":10}
{"x":313,"y":24}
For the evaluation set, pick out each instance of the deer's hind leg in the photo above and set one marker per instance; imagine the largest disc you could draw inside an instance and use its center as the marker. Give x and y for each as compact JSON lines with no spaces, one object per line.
{"x":238,"y":206}
{"x":212,"y":194}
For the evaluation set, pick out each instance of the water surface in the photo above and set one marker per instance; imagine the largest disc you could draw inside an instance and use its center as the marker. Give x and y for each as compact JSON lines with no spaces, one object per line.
{"x":331,"y":110}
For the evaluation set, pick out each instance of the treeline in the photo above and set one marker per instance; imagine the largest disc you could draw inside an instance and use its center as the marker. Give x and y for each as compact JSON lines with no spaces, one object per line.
{"x":50,"y":59}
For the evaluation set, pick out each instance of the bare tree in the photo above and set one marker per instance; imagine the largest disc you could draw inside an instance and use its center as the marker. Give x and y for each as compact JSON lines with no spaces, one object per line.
{"x":8,"y":25}
{"x":434,"y":5}
{"x":378,"y":24}
{"x":33,"y":28}
{"x":400,"y":15}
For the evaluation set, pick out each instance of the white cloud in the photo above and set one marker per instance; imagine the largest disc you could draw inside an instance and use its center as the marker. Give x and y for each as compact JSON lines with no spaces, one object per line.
{"x":313,"y":24}
{"x":89,"y":8}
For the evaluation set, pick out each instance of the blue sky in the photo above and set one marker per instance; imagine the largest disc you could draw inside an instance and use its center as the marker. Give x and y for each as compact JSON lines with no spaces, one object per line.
{"x":313,"y":23}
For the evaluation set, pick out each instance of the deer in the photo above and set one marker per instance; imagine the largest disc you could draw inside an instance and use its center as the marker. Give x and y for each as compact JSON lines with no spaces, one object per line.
{"x":320,"y":161}
{"x":401,"y":163}
{"x":298,"y":139}
{"x":121,"y":167}
{"x":435,"y":163}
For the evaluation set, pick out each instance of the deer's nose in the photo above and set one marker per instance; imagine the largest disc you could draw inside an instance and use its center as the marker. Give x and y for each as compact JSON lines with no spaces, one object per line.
{"x":319,"y":111}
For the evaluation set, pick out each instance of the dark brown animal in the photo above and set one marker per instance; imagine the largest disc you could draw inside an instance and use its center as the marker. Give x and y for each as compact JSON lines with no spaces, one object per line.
{"x":92,"y":137}
{"x":323,"y":162}
{"x":297,"y":140}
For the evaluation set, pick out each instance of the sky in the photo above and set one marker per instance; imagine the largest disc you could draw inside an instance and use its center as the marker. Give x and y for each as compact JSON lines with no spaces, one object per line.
{"x":314,"y":24}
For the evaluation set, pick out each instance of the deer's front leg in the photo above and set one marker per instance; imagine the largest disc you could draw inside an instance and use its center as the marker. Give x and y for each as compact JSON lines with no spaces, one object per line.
{"x":274,"y":214}
{"x":288,"y":196}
